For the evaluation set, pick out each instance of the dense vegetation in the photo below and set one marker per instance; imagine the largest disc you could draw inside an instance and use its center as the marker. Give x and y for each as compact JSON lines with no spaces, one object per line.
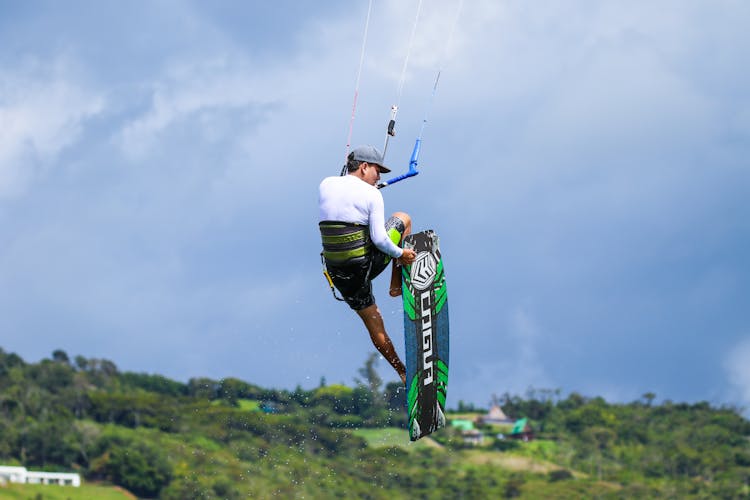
{"x":229,"y":439}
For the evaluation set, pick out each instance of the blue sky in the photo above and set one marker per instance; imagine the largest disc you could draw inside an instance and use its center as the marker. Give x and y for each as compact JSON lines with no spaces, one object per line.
{"x":584,"y":163}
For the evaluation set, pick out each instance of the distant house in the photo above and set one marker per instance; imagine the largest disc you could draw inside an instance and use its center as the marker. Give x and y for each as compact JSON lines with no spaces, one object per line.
{"x":469,"y":434}
{"x":473,"y":437}
{"x":495,"y":416}
{"x":11,"y":474}
{"x":522,"y":430}
{"x":462,"y":424}
{"x":269,"y":407}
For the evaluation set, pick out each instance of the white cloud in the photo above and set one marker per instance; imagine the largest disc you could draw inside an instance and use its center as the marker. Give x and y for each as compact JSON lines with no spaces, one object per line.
{"x":43,"y":109}
{"x":229,"y":144}
{"x":391,"y":29}
{"x":194,"y":93}
{"x":516,"y":367}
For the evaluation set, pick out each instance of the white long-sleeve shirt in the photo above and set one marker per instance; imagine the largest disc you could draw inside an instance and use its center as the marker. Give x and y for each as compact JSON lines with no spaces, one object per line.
{"x":350,"y":199}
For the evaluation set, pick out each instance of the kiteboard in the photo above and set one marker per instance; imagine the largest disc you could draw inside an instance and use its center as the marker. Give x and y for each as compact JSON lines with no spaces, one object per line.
{"x":425,"y":300}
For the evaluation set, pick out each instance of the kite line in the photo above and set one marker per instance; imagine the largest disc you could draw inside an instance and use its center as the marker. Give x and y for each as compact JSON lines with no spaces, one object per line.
{"x":391,"y":128}
{"x":359,"y":76}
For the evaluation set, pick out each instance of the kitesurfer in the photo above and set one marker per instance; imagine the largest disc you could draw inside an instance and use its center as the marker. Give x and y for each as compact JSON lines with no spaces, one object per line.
{"x":358,"y":243}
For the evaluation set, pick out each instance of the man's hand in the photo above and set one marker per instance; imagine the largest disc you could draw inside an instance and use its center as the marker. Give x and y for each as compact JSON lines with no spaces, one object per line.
{"x":408,"y":257}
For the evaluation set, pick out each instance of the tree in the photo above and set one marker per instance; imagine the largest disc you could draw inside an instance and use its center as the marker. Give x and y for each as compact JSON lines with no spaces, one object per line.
{"x":48,"y":441}
{"x":233,"y":389}
{"x":395,"y":396}
{"x":338,"y":397}
{"x":81,"y":363}
{"x":60,"y":356}
{"x":203,"y":388}
{"x":465,"y":407}
{"x":513,"y":485}
{"x":135,"y":465}
{"x":370,"y":374}
{"x":599,"y":440}
{"x":649,"y":398}
{"x":9,"y":361}
{"x":368,"y":398}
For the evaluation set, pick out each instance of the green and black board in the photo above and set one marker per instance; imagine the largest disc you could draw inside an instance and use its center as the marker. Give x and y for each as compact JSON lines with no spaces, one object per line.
{"x":426,"y":334}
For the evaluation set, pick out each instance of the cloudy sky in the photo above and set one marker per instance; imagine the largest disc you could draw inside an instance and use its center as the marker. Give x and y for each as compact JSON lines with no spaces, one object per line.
{"x":585,"y":164}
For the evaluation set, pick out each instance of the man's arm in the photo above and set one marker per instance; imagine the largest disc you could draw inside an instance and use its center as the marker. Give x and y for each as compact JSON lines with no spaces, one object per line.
{"x":377,"y":228}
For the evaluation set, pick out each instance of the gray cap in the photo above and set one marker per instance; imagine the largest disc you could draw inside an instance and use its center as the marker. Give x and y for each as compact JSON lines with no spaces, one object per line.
{"x":369,"y":154}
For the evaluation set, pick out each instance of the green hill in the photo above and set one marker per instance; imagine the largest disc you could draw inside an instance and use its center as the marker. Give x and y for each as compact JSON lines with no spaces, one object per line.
{"x":159,"y":438}
{"x":85,"y":492}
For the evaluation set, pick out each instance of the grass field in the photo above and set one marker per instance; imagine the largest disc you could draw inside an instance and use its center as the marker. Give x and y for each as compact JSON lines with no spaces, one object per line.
{"x":52,"y":492}
{"x":508,"y":461}
{"x":393,"y":436}
{"x":249,"y":404}
{"x":464,"y":416}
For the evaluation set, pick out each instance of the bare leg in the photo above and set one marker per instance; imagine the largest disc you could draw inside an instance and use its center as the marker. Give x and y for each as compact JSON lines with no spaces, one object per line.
{"x":395,"y":288}
{"x":374,"y":322}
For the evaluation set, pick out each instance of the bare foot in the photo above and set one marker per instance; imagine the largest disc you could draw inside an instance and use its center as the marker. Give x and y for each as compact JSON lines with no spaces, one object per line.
{"x":395,"y":289}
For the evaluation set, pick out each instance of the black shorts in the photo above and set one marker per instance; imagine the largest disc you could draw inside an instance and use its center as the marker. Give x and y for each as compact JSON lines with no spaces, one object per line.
{"x":353,"y":279}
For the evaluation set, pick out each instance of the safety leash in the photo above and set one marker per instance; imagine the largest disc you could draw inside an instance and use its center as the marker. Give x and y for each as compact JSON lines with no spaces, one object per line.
{"x":328,"y":278}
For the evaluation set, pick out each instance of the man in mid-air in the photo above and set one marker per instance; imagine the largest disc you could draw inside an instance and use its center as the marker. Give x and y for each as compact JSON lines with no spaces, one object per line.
{"x":358,"y":243}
